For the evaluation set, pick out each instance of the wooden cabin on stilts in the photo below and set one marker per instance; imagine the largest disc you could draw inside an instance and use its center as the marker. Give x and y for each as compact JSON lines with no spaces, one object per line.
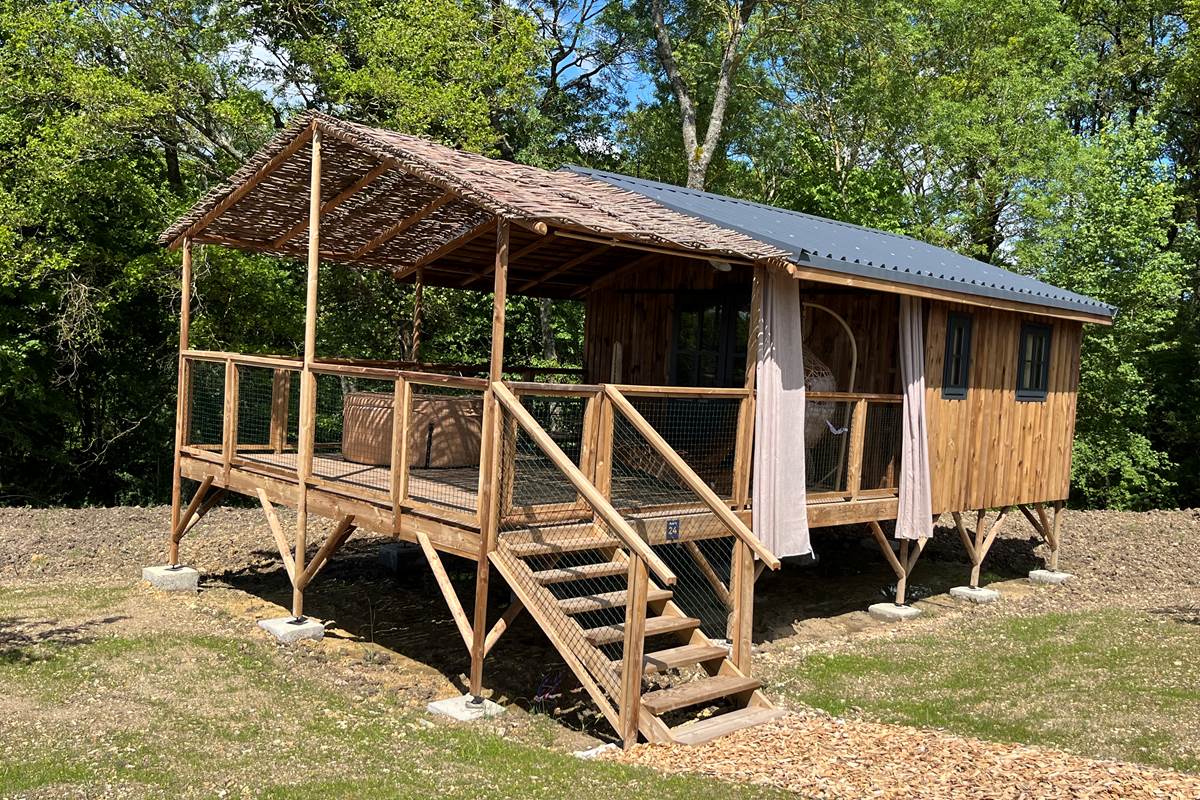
{"x":750,"y":374}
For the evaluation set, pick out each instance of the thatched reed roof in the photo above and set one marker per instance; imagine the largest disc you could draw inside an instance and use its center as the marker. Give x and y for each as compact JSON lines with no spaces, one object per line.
{"x":408,"y":175}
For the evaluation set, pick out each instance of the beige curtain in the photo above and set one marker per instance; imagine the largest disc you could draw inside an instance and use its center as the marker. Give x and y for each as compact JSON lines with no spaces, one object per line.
{"x":780,"y":510}
{"x":914,"y":517}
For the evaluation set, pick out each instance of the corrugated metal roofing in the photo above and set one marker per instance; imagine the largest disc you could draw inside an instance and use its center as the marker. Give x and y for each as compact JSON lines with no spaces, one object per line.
{"x":853,"y":249}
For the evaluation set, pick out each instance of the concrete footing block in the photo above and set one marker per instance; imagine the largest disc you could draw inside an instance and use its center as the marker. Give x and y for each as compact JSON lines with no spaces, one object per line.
{"x":399,"y":556}
{"x":976,"y":594}
{"x":288,"y":629}
{"x":172,"y":579}
{"x":1050,"y":577}
{"x":890,"y":612}
{"x":465,"y":709}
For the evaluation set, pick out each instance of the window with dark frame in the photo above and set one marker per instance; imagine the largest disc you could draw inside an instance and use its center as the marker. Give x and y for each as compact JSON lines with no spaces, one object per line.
{"x":710,"y":337}
{"x":1033,"y":362}
{"x":956,"y":372}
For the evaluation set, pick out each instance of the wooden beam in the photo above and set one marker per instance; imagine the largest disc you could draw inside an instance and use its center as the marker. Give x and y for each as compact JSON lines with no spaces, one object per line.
{"x":447,"y":247}
{"x":858,"y":437}
{"x":332,"y":203}
{"x":565,"y":266}
{"x":241,"y":191}
{"x":395,"y":230}
{"x":886,"y":547}
{"x":443,"y":582}
{"x":604,"y":280}
{"x":537,"y":244}
{"x":742,"y":589}
{"x":230,"y":420}
{"x":209,"y":502}
{"x":280,"y":538}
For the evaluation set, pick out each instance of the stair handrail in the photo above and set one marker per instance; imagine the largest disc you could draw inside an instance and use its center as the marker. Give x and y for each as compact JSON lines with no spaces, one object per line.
{"x":694,"y":481}
{"x":582,"y":485}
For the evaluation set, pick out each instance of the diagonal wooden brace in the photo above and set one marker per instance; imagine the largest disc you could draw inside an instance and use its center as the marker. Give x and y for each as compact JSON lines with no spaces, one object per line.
{"x":443,"y":582}
{"x":281,"y":541}
{"x":345,"y":528}
{"x":903,"y":564}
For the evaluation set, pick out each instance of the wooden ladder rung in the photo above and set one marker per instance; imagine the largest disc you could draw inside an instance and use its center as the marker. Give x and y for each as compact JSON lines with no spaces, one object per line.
{"x":582,"y":572}
{"x":600,"y":602}
{"x":693,"y":692}
{"x":693,"y":733}
{"x":687,"y":655}
{"x":655,"y":626}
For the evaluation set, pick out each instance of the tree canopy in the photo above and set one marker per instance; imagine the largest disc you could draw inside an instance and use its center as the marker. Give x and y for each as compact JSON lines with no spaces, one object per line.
{"x":1058,"y":139}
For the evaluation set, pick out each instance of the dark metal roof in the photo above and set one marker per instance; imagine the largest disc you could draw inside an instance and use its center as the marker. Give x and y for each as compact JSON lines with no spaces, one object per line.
{"x":855,"y":250}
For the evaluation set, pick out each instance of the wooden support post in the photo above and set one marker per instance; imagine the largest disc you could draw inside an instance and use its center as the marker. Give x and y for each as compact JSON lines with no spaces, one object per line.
{"x":414,"y":347}
{"x":489,"y":473}
{"x":186,"y":517}
{"x":401,"y":407}
{"x":635,"y":639}
{"x":308,"y":383}
{"x":1056,"y":534}
{"x":181,"y":401}
{"x":742,"y":591}
{"x":743,"y":452}
{"x":281,"y":396}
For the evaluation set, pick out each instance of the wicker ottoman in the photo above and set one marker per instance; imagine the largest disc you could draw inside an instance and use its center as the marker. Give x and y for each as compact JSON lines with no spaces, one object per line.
{"x":444,"y":432}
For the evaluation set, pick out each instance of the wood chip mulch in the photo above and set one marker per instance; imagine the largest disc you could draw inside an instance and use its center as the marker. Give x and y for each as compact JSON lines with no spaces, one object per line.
{"x":821,"y":757}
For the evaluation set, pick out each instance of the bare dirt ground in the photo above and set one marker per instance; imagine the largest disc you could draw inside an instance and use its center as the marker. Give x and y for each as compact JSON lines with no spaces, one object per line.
{"x":392,"y":637}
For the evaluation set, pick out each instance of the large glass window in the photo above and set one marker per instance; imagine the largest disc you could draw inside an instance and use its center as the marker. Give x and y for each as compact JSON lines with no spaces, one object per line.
{"x":711,"y":331}
{"x":956,"y":373}
{"x":1033,"y":362}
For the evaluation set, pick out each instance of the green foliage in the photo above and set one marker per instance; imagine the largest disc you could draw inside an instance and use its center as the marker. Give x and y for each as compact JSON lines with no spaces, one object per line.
{"x":1060,"y":139}
{"x":1104,"y":234}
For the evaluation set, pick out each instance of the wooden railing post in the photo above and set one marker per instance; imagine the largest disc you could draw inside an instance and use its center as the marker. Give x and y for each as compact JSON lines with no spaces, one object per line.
{"x":743,"y":461}
{"x":858,"y":433}
{"x":401,"y":406}
{"x":230,"y":428}
{"x":281,"y":396}
{"x":742,"y":592}
{"x":635,"y":633}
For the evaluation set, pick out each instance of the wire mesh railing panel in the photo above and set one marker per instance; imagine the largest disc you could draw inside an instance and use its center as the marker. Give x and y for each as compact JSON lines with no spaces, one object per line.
{"x":445,"y":439}
{"x":206,"y":403}
{"x":702,"y":430}
{"x":353,"y":432}
{"x":703,"y":568}
{"x":534,"y":481}
{"x":828,"y":433}
{"x":881,"y":445}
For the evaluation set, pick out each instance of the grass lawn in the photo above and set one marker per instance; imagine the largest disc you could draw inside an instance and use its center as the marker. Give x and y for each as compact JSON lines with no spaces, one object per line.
{"x":1111,"y":684}
{"x":149,"y":711}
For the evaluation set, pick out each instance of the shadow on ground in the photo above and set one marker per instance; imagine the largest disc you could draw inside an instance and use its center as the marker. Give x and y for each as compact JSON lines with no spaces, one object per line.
{"x":404,"y":612}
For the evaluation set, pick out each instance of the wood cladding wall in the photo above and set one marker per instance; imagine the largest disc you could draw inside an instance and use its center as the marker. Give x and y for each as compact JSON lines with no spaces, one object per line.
{"x":990,"y":449}
{"x":637,"y":310}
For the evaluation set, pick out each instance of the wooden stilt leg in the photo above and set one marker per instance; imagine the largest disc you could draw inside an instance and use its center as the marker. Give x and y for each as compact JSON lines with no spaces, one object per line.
{"x":181,"y":402}
{"x":902,"y":579}
{"x":182,"y":520}
{"x":1055,"y":534}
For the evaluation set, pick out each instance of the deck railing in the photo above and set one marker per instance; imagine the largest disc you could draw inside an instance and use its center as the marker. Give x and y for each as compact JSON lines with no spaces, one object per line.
{"x":243,"y":410}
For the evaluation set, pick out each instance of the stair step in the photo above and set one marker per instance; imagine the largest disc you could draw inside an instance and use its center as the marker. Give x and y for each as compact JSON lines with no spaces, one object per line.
{"x":564,"y":545}
{"x":706,"y":730}
{"x":655,"y":626}
{"x":599,"y":602}
{"x":684,"y":656}
{"x":582,"y":572}
{"x":693,"y":692}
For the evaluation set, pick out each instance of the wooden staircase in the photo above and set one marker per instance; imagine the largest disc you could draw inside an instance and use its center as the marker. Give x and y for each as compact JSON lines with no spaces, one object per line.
{"x":582,"y":607}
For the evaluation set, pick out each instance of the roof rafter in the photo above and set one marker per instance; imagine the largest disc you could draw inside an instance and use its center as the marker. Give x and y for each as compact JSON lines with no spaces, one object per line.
{"x":452,"y":244}
{"x":412,"y":219}
{"x":329,"y":205}
{"x":566,"y":265}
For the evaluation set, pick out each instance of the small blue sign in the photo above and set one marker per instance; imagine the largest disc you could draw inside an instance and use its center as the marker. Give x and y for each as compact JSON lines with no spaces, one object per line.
{"x":672,"y":530}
